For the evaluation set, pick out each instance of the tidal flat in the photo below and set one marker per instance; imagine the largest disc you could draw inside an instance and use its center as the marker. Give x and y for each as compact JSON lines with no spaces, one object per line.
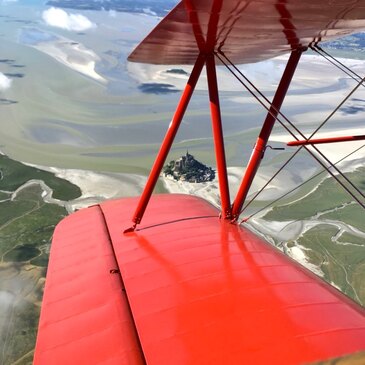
{"x":80,"y":104}
{"x":79,"y":109}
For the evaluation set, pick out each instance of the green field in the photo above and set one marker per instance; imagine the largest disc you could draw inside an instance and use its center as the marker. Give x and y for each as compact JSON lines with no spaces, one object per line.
{"x":26,"y":227}
{"x":342,"y":265}
{"x":335,"y":240}
{"x":15,"y":174}
{"x":328,"y":196}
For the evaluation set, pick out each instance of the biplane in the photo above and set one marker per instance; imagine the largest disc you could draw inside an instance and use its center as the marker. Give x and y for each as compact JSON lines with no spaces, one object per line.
{"x":188,"y":284}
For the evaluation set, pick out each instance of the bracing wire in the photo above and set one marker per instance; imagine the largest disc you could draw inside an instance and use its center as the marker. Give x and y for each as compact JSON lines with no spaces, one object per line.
{"x":353,"y":75}
{"x":341,"y":66}
{"x":271,"y":179}
{"x":271,"y":110}
{"x":297,"y":187}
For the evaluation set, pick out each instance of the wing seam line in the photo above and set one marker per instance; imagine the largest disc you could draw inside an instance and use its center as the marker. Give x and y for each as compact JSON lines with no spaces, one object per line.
{"x":139,"y":344}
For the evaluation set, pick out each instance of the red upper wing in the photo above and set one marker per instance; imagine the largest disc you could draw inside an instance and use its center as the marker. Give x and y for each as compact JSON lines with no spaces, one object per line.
{"x":247,"y":31}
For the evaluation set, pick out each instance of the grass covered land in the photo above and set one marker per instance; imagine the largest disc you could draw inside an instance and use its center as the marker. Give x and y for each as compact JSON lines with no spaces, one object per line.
{"x":14,"y":174}
{"x":4,"y":196}
{"x":332,"y":235}
{"x":328,"y":196}
{"x":26,"y":228}
{"x":343,"y":265}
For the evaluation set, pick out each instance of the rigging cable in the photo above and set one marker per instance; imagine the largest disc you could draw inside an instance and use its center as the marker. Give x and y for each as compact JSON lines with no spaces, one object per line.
{"x":299,"y":186}
{"x":341,"y":66}
{"x":295,"y":128}
{"x":338,"y":65}
{"x":271,"y":179}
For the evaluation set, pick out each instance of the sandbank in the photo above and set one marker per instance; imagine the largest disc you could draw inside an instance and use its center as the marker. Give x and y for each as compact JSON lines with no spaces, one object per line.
{"x":73,"y":55}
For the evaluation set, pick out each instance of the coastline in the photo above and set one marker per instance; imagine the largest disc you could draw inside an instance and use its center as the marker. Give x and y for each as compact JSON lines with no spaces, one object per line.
{"x":95,"y":187}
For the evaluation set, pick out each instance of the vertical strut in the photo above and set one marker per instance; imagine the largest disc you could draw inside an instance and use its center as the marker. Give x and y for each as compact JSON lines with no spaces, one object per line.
{"x":264,"y":135}
{"x":218,"y":136}
{"x":168,"y":140}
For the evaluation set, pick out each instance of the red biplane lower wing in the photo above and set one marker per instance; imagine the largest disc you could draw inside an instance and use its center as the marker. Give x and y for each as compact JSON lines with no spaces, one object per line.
{"x":187,"y":288}
{"x":85,"y":316}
